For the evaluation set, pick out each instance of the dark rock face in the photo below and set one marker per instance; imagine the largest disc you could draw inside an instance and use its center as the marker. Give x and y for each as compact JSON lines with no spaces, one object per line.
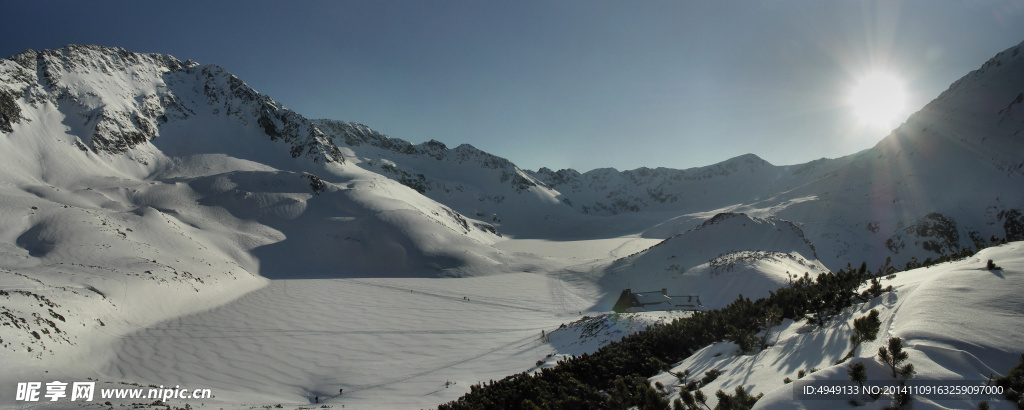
{"x":1013,"y":224}
{"x":178,"y":92}
{"x":934,"y":232}
{"x":10,"y":113}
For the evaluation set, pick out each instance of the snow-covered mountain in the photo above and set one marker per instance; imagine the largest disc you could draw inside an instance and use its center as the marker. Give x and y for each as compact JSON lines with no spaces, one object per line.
{"x":136,"y":188}
{"x":181,"y":136}
{"x":946,"y":179}
{"x":566,"y":203}
{"x":914,"y":195}
{"x":949,"y":177}
{"x":477,"y":184}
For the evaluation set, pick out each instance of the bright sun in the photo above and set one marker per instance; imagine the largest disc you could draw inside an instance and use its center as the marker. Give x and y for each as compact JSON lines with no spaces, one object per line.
{"x":878,"y":99}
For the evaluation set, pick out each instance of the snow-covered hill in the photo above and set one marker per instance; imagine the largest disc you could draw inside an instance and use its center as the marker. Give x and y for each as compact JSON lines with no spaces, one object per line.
{"x":961,"y":346}
{"x":724,"y":257}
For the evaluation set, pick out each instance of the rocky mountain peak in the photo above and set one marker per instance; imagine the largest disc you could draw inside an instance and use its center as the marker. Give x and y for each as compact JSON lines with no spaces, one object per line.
{"x":122,"y":99}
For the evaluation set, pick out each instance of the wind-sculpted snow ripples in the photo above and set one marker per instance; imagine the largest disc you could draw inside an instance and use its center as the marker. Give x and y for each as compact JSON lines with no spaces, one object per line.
{"x":299,"y":338}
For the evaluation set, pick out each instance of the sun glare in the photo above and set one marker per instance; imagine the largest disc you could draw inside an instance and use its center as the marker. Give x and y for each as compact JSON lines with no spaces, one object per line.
{"x":878,"y":99}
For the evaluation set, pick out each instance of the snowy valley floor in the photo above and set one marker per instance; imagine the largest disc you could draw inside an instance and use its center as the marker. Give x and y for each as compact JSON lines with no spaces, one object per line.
{"x":416,"y":343}
{"x":389,"y":343}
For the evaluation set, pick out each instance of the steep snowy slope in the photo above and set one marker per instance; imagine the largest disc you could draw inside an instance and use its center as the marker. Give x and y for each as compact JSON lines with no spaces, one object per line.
{"x":958,"y":346}
{"x":477,"y":184}
{"x":87,"y":113}
{"x":137,"y":188}
{"x":949,"y":177}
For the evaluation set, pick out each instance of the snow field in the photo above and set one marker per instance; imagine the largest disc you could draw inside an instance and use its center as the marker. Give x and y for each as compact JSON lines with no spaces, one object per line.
{"x":958,"y":321}
{"x":390,"y":343}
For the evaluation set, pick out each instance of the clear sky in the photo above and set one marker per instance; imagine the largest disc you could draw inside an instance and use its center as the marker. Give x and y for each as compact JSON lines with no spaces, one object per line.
{"x":580,"y":84}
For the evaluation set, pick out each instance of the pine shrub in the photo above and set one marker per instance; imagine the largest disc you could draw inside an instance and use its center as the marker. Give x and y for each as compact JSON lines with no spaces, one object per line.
{"x":894,"y":356}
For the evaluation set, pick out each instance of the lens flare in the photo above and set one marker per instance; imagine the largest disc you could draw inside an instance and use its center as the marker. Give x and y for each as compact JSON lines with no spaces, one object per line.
{"x":878,"y":99}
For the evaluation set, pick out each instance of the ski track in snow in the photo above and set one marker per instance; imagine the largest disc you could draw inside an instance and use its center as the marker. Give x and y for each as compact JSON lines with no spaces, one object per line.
{"x":521,"y":343}
{"x":296,"y":339}
{"x":453,"y":297}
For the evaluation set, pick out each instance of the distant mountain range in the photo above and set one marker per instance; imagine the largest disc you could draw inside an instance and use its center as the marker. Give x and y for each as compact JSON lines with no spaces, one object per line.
{"x":949,"y":177}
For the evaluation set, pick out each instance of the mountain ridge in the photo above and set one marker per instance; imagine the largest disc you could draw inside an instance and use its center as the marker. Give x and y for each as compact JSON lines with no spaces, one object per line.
{"x":116,"y":127}
{"x":505,"y":199}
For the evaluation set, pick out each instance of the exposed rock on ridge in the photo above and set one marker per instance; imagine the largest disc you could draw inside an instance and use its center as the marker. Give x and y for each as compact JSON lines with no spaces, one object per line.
{"x":137,"y":93}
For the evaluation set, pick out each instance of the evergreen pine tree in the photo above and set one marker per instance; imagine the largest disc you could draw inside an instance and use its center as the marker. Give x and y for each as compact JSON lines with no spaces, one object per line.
{"x":701,"y":398}
{"x":894,"y":356}
{"x":858,"y":373}
{"x":772,"y":317}
{"x":865,"y":329}
{"x":740,"y":401}
{"x":687,"y":398}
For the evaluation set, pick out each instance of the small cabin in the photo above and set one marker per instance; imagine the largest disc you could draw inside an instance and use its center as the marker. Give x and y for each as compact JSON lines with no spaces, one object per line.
{"x":630,"y":301}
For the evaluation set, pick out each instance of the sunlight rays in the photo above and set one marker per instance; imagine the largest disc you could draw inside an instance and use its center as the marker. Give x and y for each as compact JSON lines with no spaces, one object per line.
{"x":878,"y":99}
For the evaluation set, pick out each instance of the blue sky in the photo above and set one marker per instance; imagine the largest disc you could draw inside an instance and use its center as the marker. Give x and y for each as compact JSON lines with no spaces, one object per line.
{"x":580,"y":84}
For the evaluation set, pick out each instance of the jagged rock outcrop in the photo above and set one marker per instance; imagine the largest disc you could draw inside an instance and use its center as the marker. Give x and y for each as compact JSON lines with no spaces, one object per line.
{"x":121,"y":99}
